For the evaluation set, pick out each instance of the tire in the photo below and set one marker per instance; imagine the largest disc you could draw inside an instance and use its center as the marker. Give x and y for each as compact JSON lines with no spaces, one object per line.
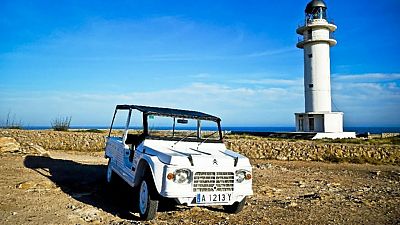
{"x":110,"y":175}
{"x":235,"y":207}
{"x":147,"y":204}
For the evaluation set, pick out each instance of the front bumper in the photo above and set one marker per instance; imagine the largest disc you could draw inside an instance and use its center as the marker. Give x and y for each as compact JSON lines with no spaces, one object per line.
{"x":187,"y":193}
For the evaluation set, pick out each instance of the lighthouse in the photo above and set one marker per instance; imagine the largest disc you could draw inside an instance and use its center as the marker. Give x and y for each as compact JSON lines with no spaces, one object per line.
{"x":316,"y":41}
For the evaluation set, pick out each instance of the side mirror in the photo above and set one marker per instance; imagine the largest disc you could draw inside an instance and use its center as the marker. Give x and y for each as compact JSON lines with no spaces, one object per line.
{"x":182,"y":121}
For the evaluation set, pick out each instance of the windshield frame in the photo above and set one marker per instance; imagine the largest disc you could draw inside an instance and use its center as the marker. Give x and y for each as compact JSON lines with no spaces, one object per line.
{"x":189,"y":138}
{"x":182,"y":114}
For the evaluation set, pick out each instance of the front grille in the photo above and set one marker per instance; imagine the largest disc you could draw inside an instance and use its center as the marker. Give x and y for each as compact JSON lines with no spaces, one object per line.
{"x":213,"y":181}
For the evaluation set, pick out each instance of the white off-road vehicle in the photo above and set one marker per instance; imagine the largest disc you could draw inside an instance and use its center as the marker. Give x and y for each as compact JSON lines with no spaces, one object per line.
{"x":176,"y":154}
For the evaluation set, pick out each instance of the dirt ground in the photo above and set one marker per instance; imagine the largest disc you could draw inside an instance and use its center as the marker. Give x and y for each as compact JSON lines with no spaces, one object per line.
{"x":70,"y":188}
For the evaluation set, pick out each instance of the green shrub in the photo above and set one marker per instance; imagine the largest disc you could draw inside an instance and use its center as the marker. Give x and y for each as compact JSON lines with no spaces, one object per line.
{"x":61,"y":124}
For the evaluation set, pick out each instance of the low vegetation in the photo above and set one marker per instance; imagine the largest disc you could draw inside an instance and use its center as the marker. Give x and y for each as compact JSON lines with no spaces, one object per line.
{"x":61,"y":123}
{"x":11,"y":122}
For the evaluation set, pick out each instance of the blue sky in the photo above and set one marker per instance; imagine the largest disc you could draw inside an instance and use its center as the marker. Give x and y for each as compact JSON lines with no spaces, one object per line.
{"x":234,"y":59}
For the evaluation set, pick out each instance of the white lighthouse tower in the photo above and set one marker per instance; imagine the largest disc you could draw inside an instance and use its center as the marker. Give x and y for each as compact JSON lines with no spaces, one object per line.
{"x":316,"y":42}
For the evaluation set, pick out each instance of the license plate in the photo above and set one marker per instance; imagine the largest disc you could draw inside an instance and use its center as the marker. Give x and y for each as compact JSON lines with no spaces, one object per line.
{"x":202,"y":198}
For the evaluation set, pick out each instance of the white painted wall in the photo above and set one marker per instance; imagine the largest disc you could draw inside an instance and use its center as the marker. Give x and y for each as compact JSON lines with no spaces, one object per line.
{"x":317,"y":82}
{"x":333,"y":122}
{"x":324,"y":122}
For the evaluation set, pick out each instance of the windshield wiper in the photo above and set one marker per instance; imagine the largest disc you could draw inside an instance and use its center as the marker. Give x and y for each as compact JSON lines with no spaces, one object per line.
{"x":184,"y":138}
{"x":206,"y":139}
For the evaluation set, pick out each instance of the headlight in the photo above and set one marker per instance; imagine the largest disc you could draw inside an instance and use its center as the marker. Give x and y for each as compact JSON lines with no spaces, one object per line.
{"x":180,"y":176}
{"x":242,"y":175}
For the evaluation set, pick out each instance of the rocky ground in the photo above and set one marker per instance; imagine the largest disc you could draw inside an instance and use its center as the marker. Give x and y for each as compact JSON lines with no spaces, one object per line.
{"x":56,"y":187}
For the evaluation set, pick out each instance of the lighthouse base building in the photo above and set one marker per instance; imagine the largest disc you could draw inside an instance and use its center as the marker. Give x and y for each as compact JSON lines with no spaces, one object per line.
{"x":316,"y":41}
{"x":325,"y":125}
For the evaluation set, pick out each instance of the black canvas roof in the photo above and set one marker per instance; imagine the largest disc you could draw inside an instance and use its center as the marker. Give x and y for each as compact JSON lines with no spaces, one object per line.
{"x":170,"y":112}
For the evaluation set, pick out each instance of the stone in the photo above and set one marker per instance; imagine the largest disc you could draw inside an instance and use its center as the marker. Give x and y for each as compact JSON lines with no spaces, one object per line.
{"x":282,"y":158}
{"x":8,"y":144}
{"x":311,"y":196}
{"x":268,"y":165}
{"x":90,"y":215}
{"x":197,"y":209}
{"x":72,"y":207}
{"x":40,"y":150}
{"x":376,"y":173}
{"x":333,"y":184}
{"x":301,"y":184}
{"x":26,"y":185}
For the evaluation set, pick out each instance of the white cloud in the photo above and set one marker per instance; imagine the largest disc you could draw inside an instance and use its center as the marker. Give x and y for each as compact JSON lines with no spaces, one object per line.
{"x":240,"y":105}
{"x":377,"y":85}
{"x":272,"y":82}
{"x":238,"y":102}
{"x":271,"y":52}
{"x":367,"y":77}
{"x":368,"y":99}
{"x":201,"y":75}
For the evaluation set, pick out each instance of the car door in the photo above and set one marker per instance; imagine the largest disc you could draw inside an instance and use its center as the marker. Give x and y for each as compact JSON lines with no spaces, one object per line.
{"x":114,"y":150}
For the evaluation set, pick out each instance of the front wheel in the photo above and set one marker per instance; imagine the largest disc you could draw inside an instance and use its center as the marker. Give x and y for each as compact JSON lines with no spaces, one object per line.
{"x":235,"y":207}
{"x":147,"y":205}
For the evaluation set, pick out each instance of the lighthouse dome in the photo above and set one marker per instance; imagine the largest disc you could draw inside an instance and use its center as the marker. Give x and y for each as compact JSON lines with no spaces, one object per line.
{"x":314,"y":4}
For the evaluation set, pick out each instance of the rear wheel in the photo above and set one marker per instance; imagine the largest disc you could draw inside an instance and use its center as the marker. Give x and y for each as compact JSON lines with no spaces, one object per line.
{"x":146,"y":203}
{"x":235,"y":207}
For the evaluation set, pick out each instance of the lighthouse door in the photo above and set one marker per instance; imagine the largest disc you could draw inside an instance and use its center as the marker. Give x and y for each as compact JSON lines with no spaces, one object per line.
{"x":311,"y":123}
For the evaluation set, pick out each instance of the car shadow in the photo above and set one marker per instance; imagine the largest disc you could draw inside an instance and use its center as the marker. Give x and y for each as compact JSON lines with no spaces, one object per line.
{"x":86,"y":183}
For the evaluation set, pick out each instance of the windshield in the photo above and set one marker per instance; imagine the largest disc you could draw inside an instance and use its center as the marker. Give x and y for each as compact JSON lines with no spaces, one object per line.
{"x":182,"y":129}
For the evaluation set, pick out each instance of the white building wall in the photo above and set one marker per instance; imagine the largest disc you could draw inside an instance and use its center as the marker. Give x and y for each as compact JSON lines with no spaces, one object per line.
{"x":317,"y":73}
{"x":331,"y":122}
{"x":334,"y":122}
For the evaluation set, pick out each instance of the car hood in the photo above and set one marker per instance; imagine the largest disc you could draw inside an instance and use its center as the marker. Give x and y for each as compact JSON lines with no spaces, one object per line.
{"x":193,"y":154}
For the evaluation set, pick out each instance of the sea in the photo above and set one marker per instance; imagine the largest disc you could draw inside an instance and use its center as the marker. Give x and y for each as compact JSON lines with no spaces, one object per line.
{"x":358,"y":130}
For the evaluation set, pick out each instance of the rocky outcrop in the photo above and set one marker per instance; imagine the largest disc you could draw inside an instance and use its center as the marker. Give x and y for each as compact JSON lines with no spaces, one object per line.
{"x":11,"y":145}
{"x":57,"y":140}
{"x":255,"y":148}
{"x":8,"y":144}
